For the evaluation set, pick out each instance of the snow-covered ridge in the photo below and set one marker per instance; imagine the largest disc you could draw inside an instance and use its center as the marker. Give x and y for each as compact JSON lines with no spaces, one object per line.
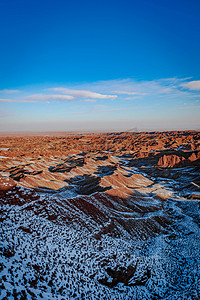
{"x":101,"y":226}
{"x":98,"y":247}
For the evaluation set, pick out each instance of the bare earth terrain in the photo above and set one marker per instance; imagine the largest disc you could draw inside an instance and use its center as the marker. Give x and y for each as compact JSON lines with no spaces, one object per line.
{"x":100,"y":216}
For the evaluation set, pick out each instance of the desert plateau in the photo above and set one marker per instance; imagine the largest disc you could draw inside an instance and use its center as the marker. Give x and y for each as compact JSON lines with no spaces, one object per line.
{"x":100,"y":216}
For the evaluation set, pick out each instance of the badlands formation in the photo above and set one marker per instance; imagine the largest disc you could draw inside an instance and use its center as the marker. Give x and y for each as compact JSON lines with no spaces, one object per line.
{"x":100,"y":216}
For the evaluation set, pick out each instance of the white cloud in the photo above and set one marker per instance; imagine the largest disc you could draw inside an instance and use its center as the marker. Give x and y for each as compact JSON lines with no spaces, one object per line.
{"x":6,"y":91}
{"x":163,"y":90}
{"x":192,"y":85}
{"x":42,"y":97}
{"x":132,"y":98}
{"x":129,"y":86}
{"x":82,"y":93}
{"x":18,"y":100}
{"x":129,"y":93}
{"x":90,"y":100}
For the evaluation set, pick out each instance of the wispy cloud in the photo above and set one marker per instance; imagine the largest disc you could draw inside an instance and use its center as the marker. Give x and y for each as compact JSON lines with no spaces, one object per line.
{"x":129,"y":93}
{"x":42,"y":97}
{"x":158,"y":88}
{"x":7,"y":91}
{"x":162,"y":90}
{"x":132,"y":98}
{"x":192,"y":85}
{"x":17,"y":100}
{"x":90,"y":100}
{"x":155,"y":104}
{"x":82,"y":93}
{"x":35,"y":98}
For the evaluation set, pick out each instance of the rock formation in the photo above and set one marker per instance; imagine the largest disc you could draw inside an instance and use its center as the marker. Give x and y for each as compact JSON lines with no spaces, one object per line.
{"x":100,"y":216}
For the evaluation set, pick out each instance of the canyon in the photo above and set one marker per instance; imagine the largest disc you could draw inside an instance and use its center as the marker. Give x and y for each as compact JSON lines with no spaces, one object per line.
{"x":100,"y":216}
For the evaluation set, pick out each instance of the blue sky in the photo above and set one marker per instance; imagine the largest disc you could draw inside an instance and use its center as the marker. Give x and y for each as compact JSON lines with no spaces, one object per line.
{"x":99,"y":65}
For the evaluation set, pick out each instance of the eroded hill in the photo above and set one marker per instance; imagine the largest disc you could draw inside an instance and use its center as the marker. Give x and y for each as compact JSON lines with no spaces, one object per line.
{"x":106,"y":216}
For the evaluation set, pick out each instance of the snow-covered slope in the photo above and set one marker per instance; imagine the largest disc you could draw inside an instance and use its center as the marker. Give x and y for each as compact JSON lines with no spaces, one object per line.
{"x":117,"y":224}
{"x":98,"y":247}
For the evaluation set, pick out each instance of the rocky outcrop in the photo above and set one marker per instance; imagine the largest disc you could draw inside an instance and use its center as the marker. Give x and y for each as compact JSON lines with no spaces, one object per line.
{"x":170,"y":161}
{"x":142,"y":144}
{"x":52,"y":165}
{"x":6,"y":184}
